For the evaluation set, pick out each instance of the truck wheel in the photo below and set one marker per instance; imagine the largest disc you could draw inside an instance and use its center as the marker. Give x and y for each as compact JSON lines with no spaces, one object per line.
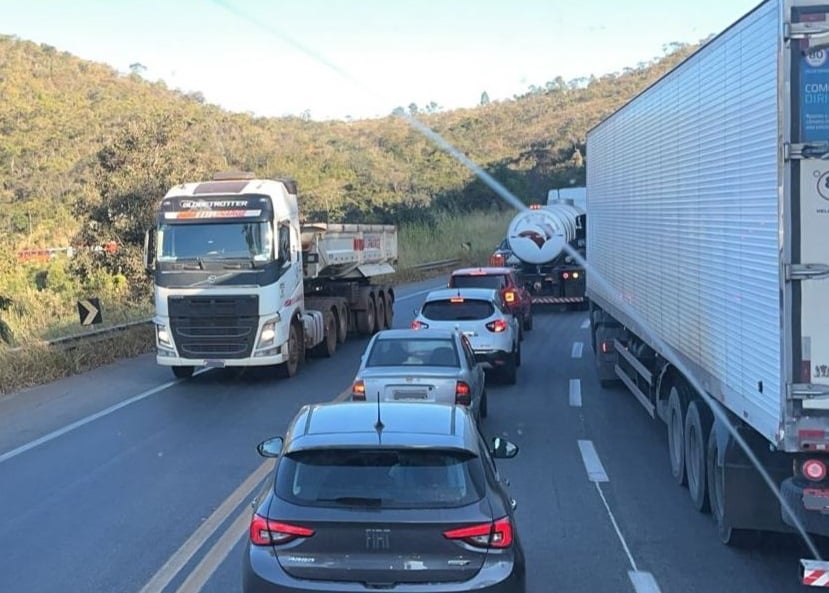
{"x":328,"y":346}
{"x":389,"y":310}
{"x":379,"y":313}
{"x":183,"y":372}
{"x":728,"y":535}
{"x":676,"y":438}
{"x":290,"y":367}
{"x":342,"y":324}
{"x":365,"y":319}
{"x":697,"y":427}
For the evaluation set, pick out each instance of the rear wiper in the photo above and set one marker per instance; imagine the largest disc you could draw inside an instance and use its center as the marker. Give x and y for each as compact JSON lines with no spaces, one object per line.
{"x":354,"y":501}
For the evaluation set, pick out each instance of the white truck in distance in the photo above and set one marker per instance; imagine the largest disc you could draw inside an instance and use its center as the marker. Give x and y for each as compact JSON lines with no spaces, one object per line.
{"x":238,"y":281}
{"x":708,"y":214}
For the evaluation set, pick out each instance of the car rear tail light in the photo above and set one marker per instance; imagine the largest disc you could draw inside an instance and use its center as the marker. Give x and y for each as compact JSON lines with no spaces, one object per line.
{"x":358,"y":390}
{"x":497,"y":534}
{"x":497,"y":326}
{"x":266,"y":532}
{"x":419,"y":325}
{"x":565,"y":275}
{"x":497,"y":260}
{"x":607,"y":346}
{"x":509,"y":296}
{"x":814,"y":470}
{"x":463,"y":394}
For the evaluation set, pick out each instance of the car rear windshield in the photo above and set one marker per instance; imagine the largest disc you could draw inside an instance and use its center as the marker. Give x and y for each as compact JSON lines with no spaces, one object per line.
{"x":413,"y":352}
{"x":385,"y":478}
{"x":459,"y":310}
{"x":495,"y":281}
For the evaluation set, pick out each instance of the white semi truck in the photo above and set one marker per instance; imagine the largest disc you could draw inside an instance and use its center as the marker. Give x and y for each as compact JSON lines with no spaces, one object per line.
{"x":239,"y":281}
{"x":708,"y":246}
{"x":534,"y":245}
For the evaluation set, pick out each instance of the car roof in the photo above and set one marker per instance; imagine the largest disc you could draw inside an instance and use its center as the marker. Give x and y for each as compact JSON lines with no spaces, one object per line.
{"x":483,"y":271}
{"x":485,"y":294}
{"x":352,"y":424}
{"x":426,"y":333}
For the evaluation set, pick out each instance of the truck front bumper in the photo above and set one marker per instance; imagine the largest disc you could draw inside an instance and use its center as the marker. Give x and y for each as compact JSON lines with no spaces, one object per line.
{"x":164,"y":358}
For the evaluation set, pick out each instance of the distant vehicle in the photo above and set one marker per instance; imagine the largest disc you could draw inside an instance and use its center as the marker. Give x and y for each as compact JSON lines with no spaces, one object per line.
{"x":534,"y":245}
{"x":239,"y":281}
{"x":709,"y":225}
{"x":483,"y":316}
{"x":507,"y":280}
{"x":402,"y":496}
{"x":427,"y":365}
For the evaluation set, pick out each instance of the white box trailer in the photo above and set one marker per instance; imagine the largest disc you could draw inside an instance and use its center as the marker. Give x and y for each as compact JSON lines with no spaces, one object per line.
{"x":708,"y":241}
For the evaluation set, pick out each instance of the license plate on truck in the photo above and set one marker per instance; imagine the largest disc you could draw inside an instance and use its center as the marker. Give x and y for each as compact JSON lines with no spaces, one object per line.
{"x":816,"y":499}
{"x":214,"y":364}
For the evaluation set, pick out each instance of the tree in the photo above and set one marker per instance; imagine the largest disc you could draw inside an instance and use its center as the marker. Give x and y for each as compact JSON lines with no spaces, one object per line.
{"x":484,"y":98}
{"x":138,"y":68}
{"x":412,"y":108}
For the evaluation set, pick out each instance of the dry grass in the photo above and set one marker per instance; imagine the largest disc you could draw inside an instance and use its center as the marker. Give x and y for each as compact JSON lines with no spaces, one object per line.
{"x":470,"y":238}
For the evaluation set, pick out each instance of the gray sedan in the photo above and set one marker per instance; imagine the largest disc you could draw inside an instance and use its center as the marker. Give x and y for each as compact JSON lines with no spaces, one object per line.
{"x":428,"y":365}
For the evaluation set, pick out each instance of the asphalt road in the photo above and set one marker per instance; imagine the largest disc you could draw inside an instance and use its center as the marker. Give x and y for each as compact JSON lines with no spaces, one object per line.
{"x":122,"y":480}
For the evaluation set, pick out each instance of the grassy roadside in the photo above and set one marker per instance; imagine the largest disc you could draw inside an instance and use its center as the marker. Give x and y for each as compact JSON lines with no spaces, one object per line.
{"x":470,"y":239}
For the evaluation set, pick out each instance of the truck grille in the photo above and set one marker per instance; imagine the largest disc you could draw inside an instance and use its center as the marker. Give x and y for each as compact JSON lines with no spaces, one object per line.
{"x":214,"y":327}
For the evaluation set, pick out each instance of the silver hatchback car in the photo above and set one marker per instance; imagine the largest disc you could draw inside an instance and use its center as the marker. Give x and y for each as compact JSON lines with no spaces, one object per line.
{"x":482,"y":315}
{"x":437,"y":366}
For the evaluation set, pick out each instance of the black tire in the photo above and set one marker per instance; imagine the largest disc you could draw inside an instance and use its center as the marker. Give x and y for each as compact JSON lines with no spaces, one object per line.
{"x":328,"y":346}
{"x":676,"y":437}
{"x":483,"y":410}
{"x":183,"y":372}
{"x":365,"y":319}
{"x":389,"y":310}
{"x":697,"y":427}
{"x":289,"y":368}
{"x":737,"y":538}
{"x":379,"y":313}
{"x":342,"y":324}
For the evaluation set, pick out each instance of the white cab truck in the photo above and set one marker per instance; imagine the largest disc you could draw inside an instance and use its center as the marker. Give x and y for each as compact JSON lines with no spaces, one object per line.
{"x":239,"y":281}
{"x":708,"y":209}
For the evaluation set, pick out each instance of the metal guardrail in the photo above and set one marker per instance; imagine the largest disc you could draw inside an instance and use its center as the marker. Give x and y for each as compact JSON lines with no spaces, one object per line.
{"x":68,"y":342}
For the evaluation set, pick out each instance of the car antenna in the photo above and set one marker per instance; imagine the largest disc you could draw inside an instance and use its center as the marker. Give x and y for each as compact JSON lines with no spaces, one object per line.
{"x":378,"y":426}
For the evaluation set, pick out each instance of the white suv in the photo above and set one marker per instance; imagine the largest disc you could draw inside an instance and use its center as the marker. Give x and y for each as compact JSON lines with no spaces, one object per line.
{"x":483,"y":317}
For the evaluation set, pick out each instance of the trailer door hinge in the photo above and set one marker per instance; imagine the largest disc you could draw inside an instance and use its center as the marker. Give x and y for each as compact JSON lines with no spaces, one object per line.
{"x":812,"y":150}
{"x":806,"y":271}
{"x":816,"y":33}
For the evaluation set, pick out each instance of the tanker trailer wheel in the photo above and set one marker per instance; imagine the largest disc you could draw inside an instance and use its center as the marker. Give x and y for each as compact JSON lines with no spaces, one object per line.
{"x":676,"y":436}
{"x":389,"y":310}
{"x":365,"y":319}
{"x":290,"y":367}
{"x":328,"y":346}
{"x":380,"y":313}
{"x":697,"y":427}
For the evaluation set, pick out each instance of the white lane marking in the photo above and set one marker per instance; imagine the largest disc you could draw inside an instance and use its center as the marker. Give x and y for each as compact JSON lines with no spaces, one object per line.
{"x":616,"y":527}
{"x":215,"y":556}
{"x":585,"y":324}
{"x":575,"y":393}
{"x":84,"y":421}
{"x":577,"y":349}
{"x":592,"y":463}
{"x":643,"y":582}
{"x":161,"y":579}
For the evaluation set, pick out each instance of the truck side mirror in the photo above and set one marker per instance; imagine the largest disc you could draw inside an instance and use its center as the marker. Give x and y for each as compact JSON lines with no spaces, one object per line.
{"x":149,"y":250}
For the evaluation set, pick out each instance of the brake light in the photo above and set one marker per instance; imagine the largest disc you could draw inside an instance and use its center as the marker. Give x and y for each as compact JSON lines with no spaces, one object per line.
{"x":497,"y":326}
{"x":419,"y":325}
{"x":565,"y":275}
{"x":509,"y":296}
{"x":607,"y":346}
{"x":358,"y":390}
{"x":266,"y":532}
{"x":535,"y":206}
{"x":497,"y":534}
{"x":456,"y":300}
{"x":814,"y":469}
{"x":463,"y":394}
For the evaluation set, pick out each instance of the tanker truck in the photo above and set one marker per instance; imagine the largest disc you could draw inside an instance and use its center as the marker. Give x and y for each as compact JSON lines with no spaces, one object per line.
{"x":534,"y":245}
{"x":239,"y":281}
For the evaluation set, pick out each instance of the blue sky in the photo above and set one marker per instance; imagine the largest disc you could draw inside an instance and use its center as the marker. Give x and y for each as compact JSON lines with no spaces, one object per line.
{"x":369,"y":56}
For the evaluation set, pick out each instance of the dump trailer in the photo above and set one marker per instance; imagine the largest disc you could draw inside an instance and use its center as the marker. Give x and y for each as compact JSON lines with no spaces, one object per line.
{"x":708,"y":250}
{"x":239,"y":281}
{"x":534,"y":245}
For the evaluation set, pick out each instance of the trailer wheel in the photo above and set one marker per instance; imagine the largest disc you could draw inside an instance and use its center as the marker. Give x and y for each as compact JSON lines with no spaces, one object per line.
{"x":183,"y":372}
{"x":728,"y":535}
{"x":365,"y":319}
{"x":341,"y":316}
{"x":676,"y":438}
{"x":328,"y":346}
{"x":290,"y":367}
{"x":389,"y":309}
{"x":379,"y":313}
{"x":697,"y":427}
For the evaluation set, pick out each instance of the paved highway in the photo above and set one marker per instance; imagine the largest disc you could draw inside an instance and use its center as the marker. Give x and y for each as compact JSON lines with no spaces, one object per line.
{"x":123,"y":480}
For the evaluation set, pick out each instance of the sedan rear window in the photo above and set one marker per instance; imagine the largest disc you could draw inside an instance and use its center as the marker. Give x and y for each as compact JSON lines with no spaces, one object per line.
{"x":412,"y":352}
{"x":495,"y":281}
{"x":385,"y":478}
{"x":457,"y":310}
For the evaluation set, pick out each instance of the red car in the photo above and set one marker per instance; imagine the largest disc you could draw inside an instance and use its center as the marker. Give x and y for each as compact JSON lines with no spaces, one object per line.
{"x":517,"y":297}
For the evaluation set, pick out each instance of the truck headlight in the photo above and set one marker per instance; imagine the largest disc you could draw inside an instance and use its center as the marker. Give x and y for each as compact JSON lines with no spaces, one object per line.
{"x":163,"y":336}
{"x":268,"y":334}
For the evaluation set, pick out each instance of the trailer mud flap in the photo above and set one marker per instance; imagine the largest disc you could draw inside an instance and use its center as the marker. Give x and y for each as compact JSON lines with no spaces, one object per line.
{"x":814,"y":573}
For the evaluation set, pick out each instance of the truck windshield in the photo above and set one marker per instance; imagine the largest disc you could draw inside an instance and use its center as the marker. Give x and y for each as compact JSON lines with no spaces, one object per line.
{"x":245,"y":240}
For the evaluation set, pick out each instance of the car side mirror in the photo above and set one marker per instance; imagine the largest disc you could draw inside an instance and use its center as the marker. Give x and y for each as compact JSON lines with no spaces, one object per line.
{"x":149,"y":251}
{"x":415,"y":312}
{"x":503,"y":449}
{"x":271,"y":447}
